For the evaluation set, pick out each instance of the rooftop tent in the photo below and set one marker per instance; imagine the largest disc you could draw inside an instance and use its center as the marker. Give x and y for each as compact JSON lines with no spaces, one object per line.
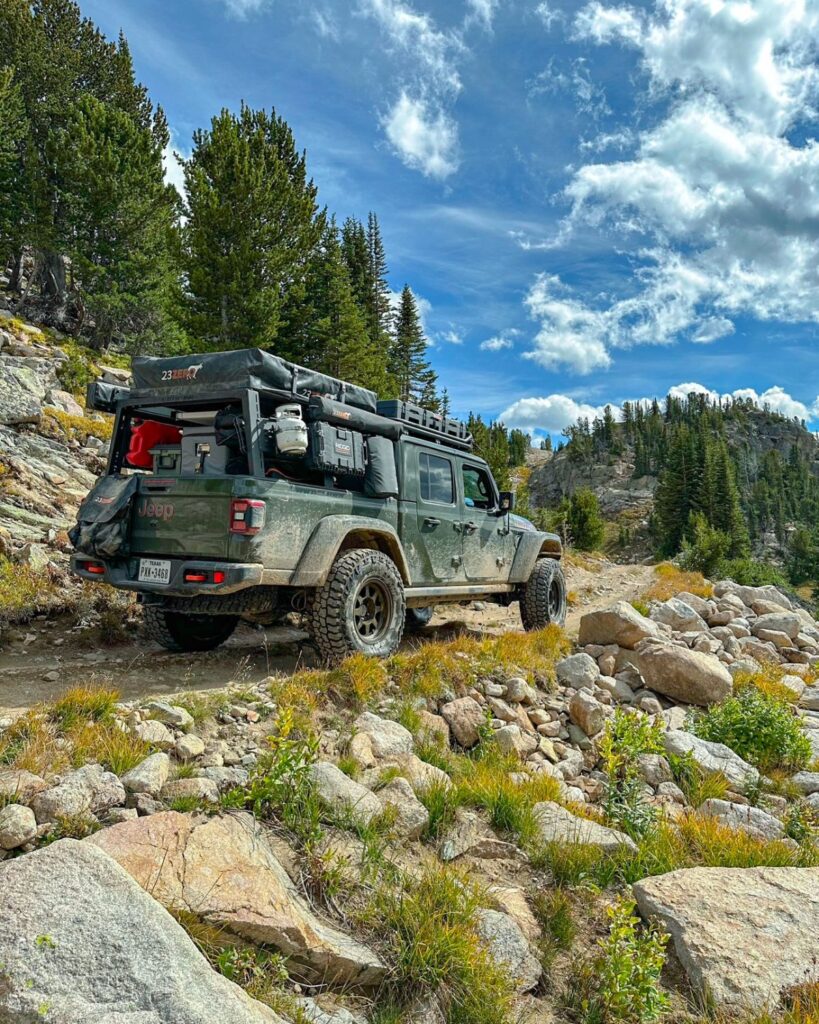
{"x":195,"y":376}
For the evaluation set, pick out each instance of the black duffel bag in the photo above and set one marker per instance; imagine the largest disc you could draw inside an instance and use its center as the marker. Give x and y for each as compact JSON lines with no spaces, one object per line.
{"x":102,"y":520}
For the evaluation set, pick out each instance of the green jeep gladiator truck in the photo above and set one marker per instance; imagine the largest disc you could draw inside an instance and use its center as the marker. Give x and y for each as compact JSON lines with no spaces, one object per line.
{"x":242,"y":486}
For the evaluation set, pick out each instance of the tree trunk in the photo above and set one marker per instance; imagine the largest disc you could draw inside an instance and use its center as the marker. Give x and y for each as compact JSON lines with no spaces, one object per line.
{"x":16,"y":271}
{"x":49,"y":274}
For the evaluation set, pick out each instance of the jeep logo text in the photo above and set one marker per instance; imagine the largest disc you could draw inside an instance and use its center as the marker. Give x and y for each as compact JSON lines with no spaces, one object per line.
{"x":155,"y":510}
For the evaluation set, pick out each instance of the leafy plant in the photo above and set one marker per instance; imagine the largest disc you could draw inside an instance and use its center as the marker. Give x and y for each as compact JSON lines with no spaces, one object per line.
{"x":625,"y":738}
{"x":281,"y":786}
{"x":625,"y":978}
{"x":759,"y":727}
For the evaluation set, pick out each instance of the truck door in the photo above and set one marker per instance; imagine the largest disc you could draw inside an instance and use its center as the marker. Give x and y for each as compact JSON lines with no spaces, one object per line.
{"x":439,"y":515}
{"x":487,"y":545}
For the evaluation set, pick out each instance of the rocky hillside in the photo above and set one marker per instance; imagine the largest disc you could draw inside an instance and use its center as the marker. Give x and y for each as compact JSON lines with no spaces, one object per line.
{"x":625,"y":483}
{"x":470,"y":832}
{"x":50,"y":452}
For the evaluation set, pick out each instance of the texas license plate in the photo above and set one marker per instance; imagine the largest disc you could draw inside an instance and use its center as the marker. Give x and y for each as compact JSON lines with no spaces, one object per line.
{"x":154,"y":570}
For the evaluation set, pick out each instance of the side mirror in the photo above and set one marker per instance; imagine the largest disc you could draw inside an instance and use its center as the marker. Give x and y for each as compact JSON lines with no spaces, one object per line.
{"x":506,"y":502}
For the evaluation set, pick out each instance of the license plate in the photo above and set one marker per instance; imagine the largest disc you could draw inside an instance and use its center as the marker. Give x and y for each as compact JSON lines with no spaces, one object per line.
{"x":154,"y":570}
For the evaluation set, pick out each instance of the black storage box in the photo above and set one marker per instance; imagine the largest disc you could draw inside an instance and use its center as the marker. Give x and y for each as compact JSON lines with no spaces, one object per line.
{"x":336,"y":450}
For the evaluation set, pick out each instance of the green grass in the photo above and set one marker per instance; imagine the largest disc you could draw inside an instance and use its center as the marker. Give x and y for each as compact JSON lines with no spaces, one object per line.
{"x":694,"y":841}
{"x":83,"y":704}
{"x":429,"y":932}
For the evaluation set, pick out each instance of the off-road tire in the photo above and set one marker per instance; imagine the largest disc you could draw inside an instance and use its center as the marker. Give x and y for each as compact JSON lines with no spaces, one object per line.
{"x":250,"y":601}
{"x":176,"y":631}
{"x":418,"y":619}
{"x":333,"y":611}
{"x":543,"y":599}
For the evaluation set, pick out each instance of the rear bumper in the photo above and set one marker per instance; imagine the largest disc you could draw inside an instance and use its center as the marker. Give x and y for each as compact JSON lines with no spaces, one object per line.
{"x":123,"y":573}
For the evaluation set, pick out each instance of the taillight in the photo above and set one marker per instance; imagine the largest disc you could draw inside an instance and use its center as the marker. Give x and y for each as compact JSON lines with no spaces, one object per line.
{"x":200,"y":576}
{"x":93,"y":567}
{"x":246,"y":516}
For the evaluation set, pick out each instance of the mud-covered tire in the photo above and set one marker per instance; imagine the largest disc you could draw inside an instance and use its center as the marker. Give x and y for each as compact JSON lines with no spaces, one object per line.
{"x":176,"y":631}
{"x":360,"y":608}
{"x":418,"y":619}
{"x":543,"y":600}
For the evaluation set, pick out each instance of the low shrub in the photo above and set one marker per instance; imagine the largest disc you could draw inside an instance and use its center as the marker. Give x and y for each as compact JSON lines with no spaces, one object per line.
{"x":759,"y":727}
{"x":625,"y":738}
{"x":749,"y":572}
{"x":280,"y":786}
{"x":622,"y":984}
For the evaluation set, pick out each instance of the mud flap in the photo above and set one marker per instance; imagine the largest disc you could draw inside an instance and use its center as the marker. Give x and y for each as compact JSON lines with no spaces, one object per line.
{"x":102,"y":520}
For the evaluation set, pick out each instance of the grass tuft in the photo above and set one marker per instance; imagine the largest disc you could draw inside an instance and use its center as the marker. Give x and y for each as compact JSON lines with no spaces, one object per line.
{"x":670,"y":580}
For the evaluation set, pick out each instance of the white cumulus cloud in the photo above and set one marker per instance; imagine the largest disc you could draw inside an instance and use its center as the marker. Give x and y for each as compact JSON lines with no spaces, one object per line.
{"x":571,"y":334}
{"x":718,"y":202}
{"x":425,"y":137}
{"x":418,"y":124}
{"x":548,"y":415}
{"x":499,"y":342}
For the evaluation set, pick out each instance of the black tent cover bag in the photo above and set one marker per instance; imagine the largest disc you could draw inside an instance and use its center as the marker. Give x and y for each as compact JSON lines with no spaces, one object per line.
{"x":325,"y":410}
{"x":381,"y":479}
{"x":197,"y":376}
{"x":102,"y":520}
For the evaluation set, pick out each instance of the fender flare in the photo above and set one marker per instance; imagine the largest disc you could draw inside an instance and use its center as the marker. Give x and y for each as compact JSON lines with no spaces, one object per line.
{"x":532,"y":546}
{"x":330,"y":536}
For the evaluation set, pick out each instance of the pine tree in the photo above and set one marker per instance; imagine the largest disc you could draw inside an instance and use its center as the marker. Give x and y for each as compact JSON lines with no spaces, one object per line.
{"x":324,"y":326}
{"x":13,"y":187}
{"x":253,"y":224}
{"x":414,"y":378}
{"x":122,"y":215}
{"x":59,"y":58}
{"x":379,"y":309}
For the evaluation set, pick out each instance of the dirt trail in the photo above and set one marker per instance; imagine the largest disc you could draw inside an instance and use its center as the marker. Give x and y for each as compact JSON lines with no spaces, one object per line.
{"x":41,"y":659}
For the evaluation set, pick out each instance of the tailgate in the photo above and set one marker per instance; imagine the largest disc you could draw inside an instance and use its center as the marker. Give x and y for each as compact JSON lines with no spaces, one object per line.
{"x":187,"y":517}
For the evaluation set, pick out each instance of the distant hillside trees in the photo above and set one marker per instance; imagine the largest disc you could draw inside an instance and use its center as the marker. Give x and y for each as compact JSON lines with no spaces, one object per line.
{"x":579,"y":521}
{"x":721,"y":490}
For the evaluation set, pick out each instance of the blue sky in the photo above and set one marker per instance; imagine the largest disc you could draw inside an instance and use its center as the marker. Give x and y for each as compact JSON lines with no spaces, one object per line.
{"x":594,"y":201}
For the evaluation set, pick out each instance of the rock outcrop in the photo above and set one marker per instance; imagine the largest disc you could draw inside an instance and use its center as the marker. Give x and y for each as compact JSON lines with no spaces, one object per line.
{"x":223,"y":870}
{"x":80,"y":941}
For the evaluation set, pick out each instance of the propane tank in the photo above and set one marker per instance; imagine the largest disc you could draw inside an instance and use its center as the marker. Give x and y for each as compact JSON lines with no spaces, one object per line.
{"x":290,"y":430}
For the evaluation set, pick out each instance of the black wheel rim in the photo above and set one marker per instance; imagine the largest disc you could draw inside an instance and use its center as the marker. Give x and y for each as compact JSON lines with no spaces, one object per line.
{"x":372,"y":611}
{"x":555,"y":600}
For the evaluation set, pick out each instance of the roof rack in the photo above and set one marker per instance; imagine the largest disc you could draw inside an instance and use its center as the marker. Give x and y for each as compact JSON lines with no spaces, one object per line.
{"x":429,"y":425}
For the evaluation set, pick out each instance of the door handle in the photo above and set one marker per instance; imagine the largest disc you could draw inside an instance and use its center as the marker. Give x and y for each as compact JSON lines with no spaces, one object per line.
{"x":470,"y":527}
{"x":432,"y":521}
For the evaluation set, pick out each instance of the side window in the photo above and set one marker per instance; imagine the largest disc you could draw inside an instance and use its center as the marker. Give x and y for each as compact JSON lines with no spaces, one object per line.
{"x":478,"y":490}
{"x":437,"y":483}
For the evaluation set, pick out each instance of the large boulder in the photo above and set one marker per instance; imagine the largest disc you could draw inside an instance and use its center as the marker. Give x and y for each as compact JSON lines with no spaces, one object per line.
{"x":89,"y":790}
{"x":778,"y":622}
{"x":752,"y":595}
{"x":620,"y":624}
{"x":744,"y":935}
{"x":684,"y":675}
{"x":711,"y":757}
{"x":20,"y":395}
{"x":679,"y":615}
{"x":223,"y":870}
{"x":557,"y":825}
{"x":81,"y":942}
{"x":149,"y":776}
{"x":753,"y":820}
